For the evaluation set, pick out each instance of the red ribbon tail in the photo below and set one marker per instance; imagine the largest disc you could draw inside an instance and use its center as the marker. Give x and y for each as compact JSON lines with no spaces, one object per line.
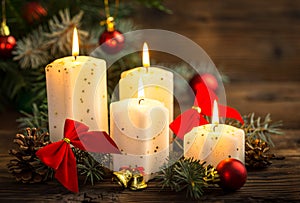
{"x":185,"y":122}
{"x":229,"y":112}
{"x":66,"y":174}
{"x":99,"y":142}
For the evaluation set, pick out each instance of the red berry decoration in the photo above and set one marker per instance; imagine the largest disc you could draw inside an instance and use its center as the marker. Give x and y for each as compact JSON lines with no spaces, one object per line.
{"x":33,"y":11}
{"x":111,"y":40}
{"x":209,"y":80}
{"x":233,"y":174}
{"x":7,"y":44}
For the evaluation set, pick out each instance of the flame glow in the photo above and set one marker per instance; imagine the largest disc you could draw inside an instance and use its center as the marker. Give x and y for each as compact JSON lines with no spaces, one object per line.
{"x":215,"y":113}
{"x":146,"y":58}
{"x":75,"y":47}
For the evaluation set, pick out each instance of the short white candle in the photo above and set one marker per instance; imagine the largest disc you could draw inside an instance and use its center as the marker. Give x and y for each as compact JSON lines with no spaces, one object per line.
{"x":76,"y":89}
{"x":214,"y":142}
{"x":139,"y":126}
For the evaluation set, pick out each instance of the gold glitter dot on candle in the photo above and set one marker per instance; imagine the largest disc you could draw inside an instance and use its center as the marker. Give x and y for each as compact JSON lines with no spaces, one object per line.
{"x":89,"y":83}
{"x":122,"y":129}
{"x":58,"y":70}
{"x":82,"y":91}
{"x":141,"y":157}
{"x":88,"y":110}
{"x":85,"y":79}
{"x":237,"y":149}
{"x":156,"y":147}
{"x":81,"y":120}
{"x":229,"y":156}
{"x":92,"y":118}
{"x":155,"y":151}
{"x":161,"y":78}
{"x":47,"y":70}
{"x":137,"y":137}
{"x":54,"y":126}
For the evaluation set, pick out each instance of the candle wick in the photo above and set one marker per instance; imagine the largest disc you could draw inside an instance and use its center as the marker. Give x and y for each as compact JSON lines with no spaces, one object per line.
{"x":214,"y":128}
{"x":75,"y":57}
{"x":141,"y":100}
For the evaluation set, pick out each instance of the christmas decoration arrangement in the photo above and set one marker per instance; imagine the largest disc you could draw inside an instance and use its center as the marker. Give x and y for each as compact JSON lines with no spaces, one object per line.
{"x":71,"y":131}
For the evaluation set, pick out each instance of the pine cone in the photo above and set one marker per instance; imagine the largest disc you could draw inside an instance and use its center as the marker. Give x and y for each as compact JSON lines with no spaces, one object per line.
{"x":256,"y":154}
{"x":26,"y":167}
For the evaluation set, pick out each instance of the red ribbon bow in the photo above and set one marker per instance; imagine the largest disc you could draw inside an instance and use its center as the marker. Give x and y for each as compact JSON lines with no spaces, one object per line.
{"x":203,"y":105}
{"x":60,"y":157}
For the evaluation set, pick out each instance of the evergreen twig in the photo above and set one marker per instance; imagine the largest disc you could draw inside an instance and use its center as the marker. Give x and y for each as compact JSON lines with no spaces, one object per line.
{"x":189,"y":175}
{"x":259,"y":128}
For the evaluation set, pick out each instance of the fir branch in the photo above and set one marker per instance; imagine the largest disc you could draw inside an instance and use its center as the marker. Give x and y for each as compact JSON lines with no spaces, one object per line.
{"x":189,"y":175}
{"x":31,"y":51}
{"x":38,"y":118}
{"x":88,"y":166}
{"x":59,"y":39}
{"x":259,"y":128}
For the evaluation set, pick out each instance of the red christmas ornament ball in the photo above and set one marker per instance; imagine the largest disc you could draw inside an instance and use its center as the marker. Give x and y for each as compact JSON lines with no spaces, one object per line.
{"x":233,"y":174}
{"x":112,"y":42}
{"x":33,"y":11}
{"x":7,"y":44}
{"x":208,"y":79}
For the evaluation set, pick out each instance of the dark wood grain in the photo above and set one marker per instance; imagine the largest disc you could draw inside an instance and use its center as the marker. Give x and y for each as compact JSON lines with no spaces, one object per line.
{"x":248,"y":40}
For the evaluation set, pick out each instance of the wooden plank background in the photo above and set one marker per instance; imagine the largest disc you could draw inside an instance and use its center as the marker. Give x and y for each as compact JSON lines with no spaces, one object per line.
{"x":248,"y":40}
{"x":256,"y":43}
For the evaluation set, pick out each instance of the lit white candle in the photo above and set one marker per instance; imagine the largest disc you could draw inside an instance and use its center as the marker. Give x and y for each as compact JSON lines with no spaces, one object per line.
{"x":158,"y":83}
{"x":76,"y":89}
{"x":214,"y":142}
{"x":139,"y":126}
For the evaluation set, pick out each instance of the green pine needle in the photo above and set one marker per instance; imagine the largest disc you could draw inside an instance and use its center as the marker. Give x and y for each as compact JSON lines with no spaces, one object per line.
{"x":259,"y":128}
{"x":188,"y":175}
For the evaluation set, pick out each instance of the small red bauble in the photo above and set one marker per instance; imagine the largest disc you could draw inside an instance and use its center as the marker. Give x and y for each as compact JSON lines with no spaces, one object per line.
{"x":33,"y":11}
{"x":233,"y":174}
{"x":7,"y":44}
{"x":209,"y":80}
{"x":112,"y":41}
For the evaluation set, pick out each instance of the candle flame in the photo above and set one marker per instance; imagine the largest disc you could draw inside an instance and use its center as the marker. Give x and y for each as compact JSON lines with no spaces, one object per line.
{"x":146,"y":58}
{"x":75,"y":47}
{"x":215,"y":113}
{"x":141,"y":92}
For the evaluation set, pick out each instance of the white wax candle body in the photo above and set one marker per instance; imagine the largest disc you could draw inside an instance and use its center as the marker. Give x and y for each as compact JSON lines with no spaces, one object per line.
{"x":140,"y":130}
{"x":157,"y":83}
{"x":76,"y":89}
{"x":214,"y":142}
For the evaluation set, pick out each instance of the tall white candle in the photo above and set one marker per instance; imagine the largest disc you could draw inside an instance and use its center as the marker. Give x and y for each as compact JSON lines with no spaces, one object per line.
{"x":214,"y":142}
{"x":139,"y":126}
{"x":76,"y":89}
{"x":158,"y":83}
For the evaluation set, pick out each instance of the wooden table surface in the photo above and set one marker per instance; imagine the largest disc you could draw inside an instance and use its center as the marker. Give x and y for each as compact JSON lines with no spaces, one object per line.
{"x":256,"y":43}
